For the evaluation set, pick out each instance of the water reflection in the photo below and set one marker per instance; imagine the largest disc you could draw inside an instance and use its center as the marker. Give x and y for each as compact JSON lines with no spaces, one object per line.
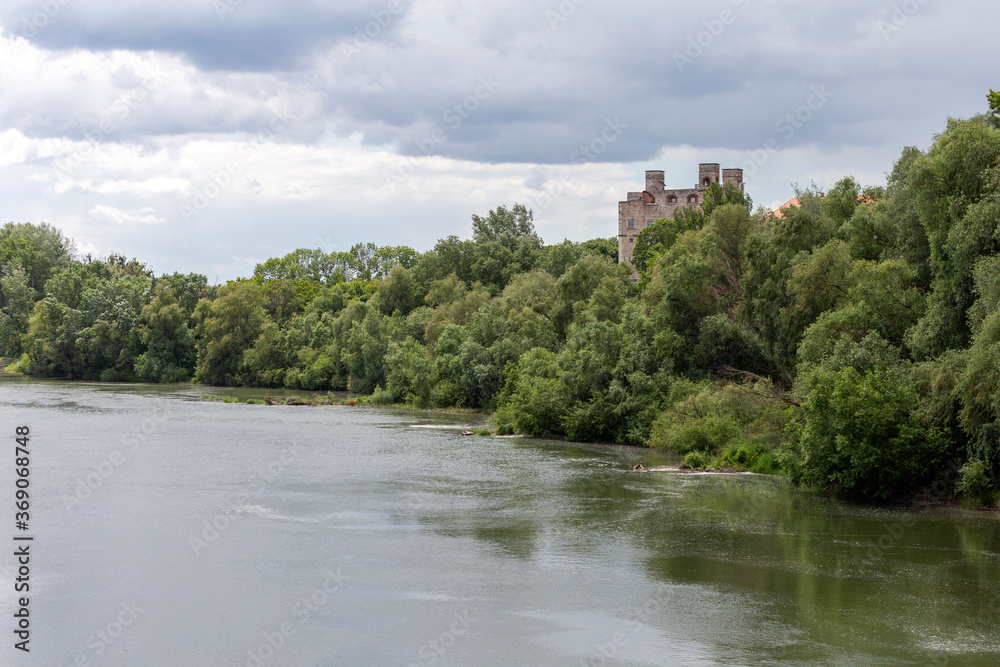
{"x":561,"y":555}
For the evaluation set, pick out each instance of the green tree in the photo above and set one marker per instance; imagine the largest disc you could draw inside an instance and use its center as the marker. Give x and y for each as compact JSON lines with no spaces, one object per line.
{"x":504,"y":245}
{"x":20,"y":300}
{"x":227,"y":328}
{"x":170,"y":353}
{"x":957,"y":189}
{"x":536,"y":402}
{"x":863,"y":436}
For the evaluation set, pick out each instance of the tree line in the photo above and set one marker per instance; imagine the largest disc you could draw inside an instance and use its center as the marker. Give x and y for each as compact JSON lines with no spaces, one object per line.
{"x":852,"y":343}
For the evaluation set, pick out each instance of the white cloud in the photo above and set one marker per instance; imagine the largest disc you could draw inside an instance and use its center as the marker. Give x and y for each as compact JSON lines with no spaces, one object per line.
{"x":144,"y":216}
{"x":118,"y":114}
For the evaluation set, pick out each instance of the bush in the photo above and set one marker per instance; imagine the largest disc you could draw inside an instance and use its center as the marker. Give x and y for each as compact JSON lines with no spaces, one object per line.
{"x":752,"y":456}
{"x":864,"y":436}
{"x":740,"y":455}
{"x":706,"y":434}
{"x":593,"y":421}
{"x":767,"y":464}
{"x":976,"y":486}
{"x":694,"y":460}
{"x":446,"y":394}
{"x":754,"y":408}
{"x":382,"y":396}
{"x":536,"y":403}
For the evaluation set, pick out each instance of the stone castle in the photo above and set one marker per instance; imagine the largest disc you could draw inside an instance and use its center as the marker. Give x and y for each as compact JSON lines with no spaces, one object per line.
{"x":641,"y":209}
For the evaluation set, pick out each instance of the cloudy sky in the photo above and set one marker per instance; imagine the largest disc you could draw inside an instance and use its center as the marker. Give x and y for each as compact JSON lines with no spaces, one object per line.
{"x":208,"y":135}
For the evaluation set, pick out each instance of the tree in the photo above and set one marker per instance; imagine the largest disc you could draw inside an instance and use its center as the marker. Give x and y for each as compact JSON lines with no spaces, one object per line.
{"x":863,"y":436}
{"x":957,"y":191}
{"x":170,"y":354}
{"x":304,"y":264}
{"x":20,"y":298}
{"x":227,"y":327}
{"x":504,"y":245}
{"x":535,"y":403}
{"x":502,"y":223}
{"x":38,"y":249}
{"x":449,"y":256}
{"x":397,"y":291}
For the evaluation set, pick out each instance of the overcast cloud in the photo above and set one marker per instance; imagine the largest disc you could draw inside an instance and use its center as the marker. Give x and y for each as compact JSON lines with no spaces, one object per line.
{"x":207,"y":135}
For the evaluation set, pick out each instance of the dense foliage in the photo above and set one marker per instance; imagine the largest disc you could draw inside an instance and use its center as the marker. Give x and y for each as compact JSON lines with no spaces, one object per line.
{"x":853,"y":342}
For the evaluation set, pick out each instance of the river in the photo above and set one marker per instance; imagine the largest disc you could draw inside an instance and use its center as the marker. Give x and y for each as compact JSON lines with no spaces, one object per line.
{"x":173,"y":531}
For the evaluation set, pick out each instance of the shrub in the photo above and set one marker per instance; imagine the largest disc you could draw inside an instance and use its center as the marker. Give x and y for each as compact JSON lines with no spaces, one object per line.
{"x":536,"y":403}
{"x":767,"y":464}
{"x":445,"y":394}
{"x":753,"y":456}
{"x":593,"y":421}
{"x":864,"y":436}
{"x":706,"y":434}
{"x":740,"y":455}
{"x":382,"y":396}
{"x":754,"y":408}
{"x":975,"y":485}
{"x":694,"y":460}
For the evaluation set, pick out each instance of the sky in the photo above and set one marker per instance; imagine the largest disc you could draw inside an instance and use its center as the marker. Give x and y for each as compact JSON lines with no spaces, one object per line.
{"x":209,"y":135}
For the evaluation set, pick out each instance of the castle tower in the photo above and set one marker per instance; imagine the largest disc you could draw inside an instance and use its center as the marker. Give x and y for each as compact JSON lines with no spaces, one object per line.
{"x":707,"y":174}
{"x":733,"y":177}
{"x":657,"y":201}
{"x":655,"y":181}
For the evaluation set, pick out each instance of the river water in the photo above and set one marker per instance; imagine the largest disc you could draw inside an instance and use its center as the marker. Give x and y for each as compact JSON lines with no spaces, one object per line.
{"x":172,"y":531}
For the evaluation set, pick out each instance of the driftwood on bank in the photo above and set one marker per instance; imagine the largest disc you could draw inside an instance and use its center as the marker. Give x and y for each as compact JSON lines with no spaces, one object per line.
{"x":274,"y":401}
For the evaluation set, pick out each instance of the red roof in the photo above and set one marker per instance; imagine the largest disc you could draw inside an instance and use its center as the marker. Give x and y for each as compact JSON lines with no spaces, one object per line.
{"x":794,"y":201}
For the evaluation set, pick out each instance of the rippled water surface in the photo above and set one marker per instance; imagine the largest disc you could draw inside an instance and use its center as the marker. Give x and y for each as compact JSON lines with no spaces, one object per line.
{"x":171,"y":531}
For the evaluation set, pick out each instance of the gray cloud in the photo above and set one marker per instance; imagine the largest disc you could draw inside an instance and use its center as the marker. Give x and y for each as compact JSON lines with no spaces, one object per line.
{"x":234,"y":35}
{"x":114,"y":114}
{"x":719,"y":74}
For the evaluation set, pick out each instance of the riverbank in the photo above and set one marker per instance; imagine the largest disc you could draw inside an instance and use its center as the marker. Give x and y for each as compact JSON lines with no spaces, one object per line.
{"x":719,"y":465}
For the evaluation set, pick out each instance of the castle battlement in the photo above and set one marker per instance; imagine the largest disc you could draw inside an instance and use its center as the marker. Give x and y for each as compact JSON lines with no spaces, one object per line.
{"x":657,"y":201}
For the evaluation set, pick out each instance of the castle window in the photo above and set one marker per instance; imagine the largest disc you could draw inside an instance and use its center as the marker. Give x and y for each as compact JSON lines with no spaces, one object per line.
{"x":693,"y":199}
{"x":672,"y":199}
{"x":706,"y":182}
{"x":631,"y":224}
{"x":649,"y":222}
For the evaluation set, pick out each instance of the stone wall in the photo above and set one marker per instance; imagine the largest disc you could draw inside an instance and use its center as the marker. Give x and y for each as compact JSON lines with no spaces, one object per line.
{"x":641,"y":209}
